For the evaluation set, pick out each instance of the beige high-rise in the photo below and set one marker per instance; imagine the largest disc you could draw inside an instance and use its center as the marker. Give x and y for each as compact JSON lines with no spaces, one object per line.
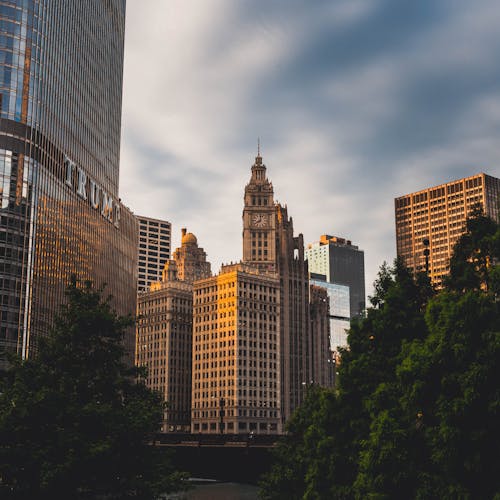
{"x":236,"y":361}
{"x":269,"y":244}
{"x":434,"y":219}
{"x":165,"y":332}
{"x":256,"y":345}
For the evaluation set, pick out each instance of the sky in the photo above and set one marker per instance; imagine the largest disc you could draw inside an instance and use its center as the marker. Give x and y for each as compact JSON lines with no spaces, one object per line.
{"x":356,"y":102}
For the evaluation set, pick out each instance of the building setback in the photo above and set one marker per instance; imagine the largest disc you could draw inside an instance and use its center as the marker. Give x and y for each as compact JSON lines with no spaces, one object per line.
{"x":153,"y":251}
{"x":236,"y":353}
{"x":61,"y":66}
{"x":435,"y":218}
{"x":165,"y":332}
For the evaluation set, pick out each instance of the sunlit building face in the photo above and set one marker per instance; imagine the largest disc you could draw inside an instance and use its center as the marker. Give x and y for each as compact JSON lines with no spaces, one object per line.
{"x":236,"y":382}
{"x":61,"y":65}
{"x":429,"y":222}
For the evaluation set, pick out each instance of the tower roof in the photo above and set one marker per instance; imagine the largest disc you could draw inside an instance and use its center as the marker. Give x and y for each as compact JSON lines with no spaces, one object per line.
{"x":188,"y":238}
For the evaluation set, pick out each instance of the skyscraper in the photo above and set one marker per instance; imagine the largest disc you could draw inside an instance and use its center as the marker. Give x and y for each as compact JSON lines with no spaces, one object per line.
{"x":341,"y":263}
{"x":321,"y":358}
{"x":338,"y":312}
{"x":270,"y":245}
{"x":433,"y":219}
{"x":236,"y":357}
{"x":260,"y":332}
{"x":61,"y":65}
{"x":154,"y":250}
{"x":165,"y":331}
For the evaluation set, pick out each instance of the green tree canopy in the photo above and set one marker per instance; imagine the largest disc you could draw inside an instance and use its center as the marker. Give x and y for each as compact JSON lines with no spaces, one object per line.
{"x":75,"y":421}
{"x":417,"y":409}
{"x":320,"y":454}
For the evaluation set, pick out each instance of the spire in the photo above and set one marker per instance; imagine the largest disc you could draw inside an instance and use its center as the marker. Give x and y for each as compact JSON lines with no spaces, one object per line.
{"x":258,"y":158}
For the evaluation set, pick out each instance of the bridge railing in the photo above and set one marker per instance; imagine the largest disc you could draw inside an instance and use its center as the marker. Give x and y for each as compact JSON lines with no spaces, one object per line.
{"x":184,"y":438}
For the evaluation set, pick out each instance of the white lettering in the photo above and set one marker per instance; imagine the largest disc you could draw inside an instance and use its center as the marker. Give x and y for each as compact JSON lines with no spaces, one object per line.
{"x":110,"y":210}
{"x":70,"y":166}
{"x":107,"y":206}
{"x":117,"y":216}
{"x":82,"y":182}
{"x":94,"y":194}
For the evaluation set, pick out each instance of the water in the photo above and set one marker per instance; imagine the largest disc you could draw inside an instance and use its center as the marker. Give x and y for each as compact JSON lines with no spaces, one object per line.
{"x":219,"y":491}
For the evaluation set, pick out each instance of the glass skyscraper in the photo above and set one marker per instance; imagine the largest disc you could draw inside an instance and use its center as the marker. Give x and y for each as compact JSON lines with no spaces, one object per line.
{"x":61,"y":70}
{"x":342,"y":263}
{"x":340,"y":312}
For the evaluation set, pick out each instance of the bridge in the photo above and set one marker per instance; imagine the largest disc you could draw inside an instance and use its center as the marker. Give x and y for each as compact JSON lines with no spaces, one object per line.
{"x":226,"y":457}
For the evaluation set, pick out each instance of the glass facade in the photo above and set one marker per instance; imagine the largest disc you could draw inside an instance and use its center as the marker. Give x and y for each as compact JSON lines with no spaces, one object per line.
{"x":342,"y":263}
{"x":61,"y":65}
{"x":340,"y":312}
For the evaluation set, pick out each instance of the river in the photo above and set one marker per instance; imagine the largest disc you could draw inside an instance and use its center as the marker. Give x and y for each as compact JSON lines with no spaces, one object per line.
{"x":219,"y":491}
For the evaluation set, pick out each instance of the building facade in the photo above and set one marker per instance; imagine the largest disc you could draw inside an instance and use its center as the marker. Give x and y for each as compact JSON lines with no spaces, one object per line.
{"x":322,"y":360}
{"x":236,"y":353}
{"x":61,"y":65}
{"x":433,"y":219}
{"x":259,"y":220}
{"x":341,"y":263}
{"x":153,"y":251}
{"x":260,"y":332}
{"x":269,"y":245}
{"x":165,"y":332}
{"x":338,"y":312}
{"x":191,"y":260}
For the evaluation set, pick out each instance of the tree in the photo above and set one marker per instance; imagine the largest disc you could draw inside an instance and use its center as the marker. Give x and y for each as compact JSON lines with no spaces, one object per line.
{"x":417,"y":409}
{"x":296,"y":455}
{"x":436,"y":436}
{"x":319,"y":457}
{"x":75,"y":421}
{"x":475,"y":256}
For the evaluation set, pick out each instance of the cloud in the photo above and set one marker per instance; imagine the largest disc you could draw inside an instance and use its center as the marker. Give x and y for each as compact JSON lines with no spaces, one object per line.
{"x":356,"y":102}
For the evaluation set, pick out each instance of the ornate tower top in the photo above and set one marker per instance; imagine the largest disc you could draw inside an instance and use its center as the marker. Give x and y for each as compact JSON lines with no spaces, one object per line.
{"x":191,"y":260}
{"x":258,"y":168}
{"x":188,"y":238}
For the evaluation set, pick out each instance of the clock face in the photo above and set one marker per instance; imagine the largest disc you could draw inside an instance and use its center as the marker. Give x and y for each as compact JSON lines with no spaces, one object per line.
{"x":259,"y":220}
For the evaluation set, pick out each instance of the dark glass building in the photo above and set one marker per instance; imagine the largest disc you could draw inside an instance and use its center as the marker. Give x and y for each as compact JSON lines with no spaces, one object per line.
{"x":341,"y":263}
{"x":61,"y":70}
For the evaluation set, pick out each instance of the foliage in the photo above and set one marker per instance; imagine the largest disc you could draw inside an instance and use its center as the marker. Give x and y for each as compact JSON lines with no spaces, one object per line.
{"x":75,"y":421}
{"x":324,"y":437}
{"x":302,"y":452}
{"x":417,"y":408}
{"x":473,"y":260}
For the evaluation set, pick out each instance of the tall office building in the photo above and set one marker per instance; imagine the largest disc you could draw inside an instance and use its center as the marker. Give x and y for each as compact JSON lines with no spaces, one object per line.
{"x":236,"y":352}
{"x":321,"y":358}
{"x":434,"y":219}
{"x":154,"y":250}
{"x":338,"y":312}
{"x":61,"y":65}
{"x":341,"y":263}
{"x":270,"y":245}
{"x":165,"y":332}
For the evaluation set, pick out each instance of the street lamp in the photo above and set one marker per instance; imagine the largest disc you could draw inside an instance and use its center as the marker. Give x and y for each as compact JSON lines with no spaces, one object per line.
{"x":221,"y":410}
{"x":426,"y":254}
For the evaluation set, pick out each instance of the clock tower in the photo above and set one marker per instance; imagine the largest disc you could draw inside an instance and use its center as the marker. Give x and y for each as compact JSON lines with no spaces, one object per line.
{"x":259,"y":220}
